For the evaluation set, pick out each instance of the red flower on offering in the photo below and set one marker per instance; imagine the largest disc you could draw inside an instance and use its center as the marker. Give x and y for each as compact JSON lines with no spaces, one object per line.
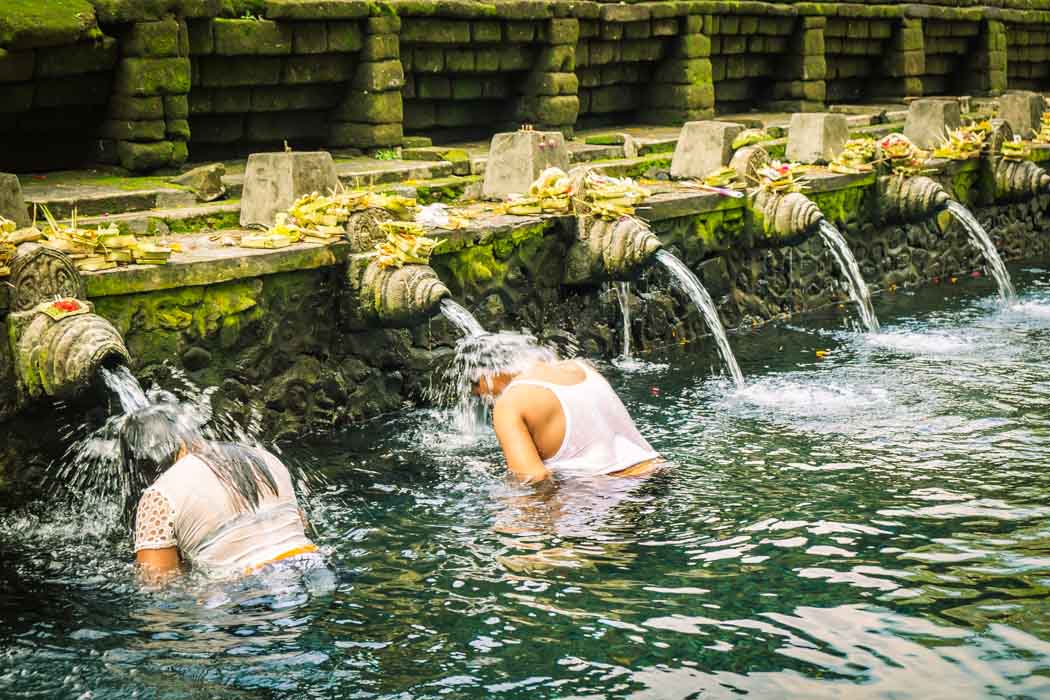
{"x":66,"y":305}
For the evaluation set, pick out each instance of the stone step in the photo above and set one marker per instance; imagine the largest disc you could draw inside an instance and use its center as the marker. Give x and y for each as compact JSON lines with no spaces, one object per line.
{"x":161,"y":222}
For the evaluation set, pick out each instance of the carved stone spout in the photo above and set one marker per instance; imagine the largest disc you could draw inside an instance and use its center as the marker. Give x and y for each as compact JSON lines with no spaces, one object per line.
{"x":604,"y":249}
{"x":58,"y":342}
{"x":391,"y":297}
{"x":1018,"y":179}
{"x":785,"y":215}
{"x":905,"y":199}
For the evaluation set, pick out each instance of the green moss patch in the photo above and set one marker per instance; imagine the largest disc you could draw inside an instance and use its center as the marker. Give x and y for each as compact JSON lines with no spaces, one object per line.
{"x":39,"y":23}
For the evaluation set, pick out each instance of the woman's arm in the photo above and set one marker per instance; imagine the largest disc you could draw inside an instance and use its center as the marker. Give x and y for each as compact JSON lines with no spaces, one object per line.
{"x":156,"y":548}
{"x":523,"y":460}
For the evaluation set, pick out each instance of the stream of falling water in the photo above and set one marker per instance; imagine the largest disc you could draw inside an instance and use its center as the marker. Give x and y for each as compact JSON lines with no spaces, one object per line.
{"x":858,"y":290}
{"x":461,"y":318}
{"x":687,"y":282}
{"x":980,"y":238}
{"x":623,"y":295}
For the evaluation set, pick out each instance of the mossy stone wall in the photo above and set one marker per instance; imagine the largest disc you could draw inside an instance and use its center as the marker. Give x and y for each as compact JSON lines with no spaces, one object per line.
{"x":140,"y":82}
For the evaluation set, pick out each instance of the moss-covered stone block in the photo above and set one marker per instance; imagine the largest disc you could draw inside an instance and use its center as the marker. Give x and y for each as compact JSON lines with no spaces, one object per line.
{"x":309,"y":38}
{"x":77,"y":59}
{"x":681,"y":96}
{"x":469,"y":88}
{"x":177,"y":129}
{"x":127,"y":107}
{"x":305,"y":70}
{"x":456,"y":114}
{"x":40,"y":23}
{"x":365,"y":135}
{"x":556,"y":59}
{"x":551,"y":84}
{"x":487,"y":60}
{"x":519,"y":32}
{"x":428,"y":60}
{"x":685,"y":71}
{"x":152,"y":76}
{"x":387,"y":24}
{"x":291,"y":98}
{"x":379,"y":47}
{"x":128,"y":130}
{"x":691,"y":46}
{"x":152,"y":39}
{"x":562,"y":31}
{"x":420,"y":114}
{"x":176,"y":106}
{"x":513,"y":58}
{"x":561,"y":110}
{"x":486,"y":31}
{"x":434,"y":31}
{"x":459,"y":60}
{"x":317,"y":9}
{"x":379,"y":76}
{"x":145,"y":157}
{"x":371,"y":107}
{"x":237,"y":71}
{"x":249,"y":37}
{"x":344,"y":37}
{"x":433,"y":87}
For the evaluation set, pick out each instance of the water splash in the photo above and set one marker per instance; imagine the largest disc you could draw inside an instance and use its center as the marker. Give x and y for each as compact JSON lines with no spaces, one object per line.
{"x":980,"y":238}
{"x":687,"y":281}
{"x":461,"y":318}
{"x":858,"y":290}
{"x":623,"y":296}
{"x":93,"y":469}
{"x":479,"y":356}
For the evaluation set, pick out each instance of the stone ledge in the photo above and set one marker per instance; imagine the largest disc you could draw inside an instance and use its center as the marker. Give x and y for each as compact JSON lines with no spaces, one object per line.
{"x":207,"y":263}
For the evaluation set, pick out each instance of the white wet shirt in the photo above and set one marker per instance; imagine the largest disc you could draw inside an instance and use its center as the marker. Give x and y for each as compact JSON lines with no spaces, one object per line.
{"x":600,"y":437}
{"x":188,"y":507}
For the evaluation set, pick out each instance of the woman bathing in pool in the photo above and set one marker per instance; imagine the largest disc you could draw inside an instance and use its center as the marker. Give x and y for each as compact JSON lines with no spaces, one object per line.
{"x":563,"y":419}
{"x":224,"y":508}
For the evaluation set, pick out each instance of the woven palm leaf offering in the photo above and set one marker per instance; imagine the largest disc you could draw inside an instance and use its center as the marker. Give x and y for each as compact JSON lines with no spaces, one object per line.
{"x":553,"y":190}
{"x":858,"y":156}
{"x":405,"y":244}
{"x":1016,"y":149}
{"x":782,"y":177}
{"x":964,"y":143}
{"x":749,"y":137}
{"x":7,"y":249}
{"x":901,"y":155}
{"x":608,"y":197}
{"x":1043,"y":135}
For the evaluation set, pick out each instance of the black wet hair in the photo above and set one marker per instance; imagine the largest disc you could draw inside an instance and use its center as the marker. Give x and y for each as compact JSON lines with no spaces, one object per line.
{"x":151,"y":439}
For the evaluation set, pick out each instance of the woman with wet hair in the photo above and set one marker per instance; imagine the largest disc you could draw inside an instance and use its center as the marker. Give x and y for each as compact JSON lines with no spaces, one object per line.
{"x":220,"y":507}
{"x":554,"y":418}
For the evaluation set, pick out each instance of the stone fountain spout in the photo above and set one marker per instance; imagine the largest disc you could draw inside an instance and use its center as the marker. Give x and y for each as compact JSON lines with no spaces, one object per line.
{"x":903,"y":199}
{"x":391,"y":297}
{"x":1018,"y":179}
{"x":786,"y":215}
{"x":604,"y":250}
{"x":58,"y":343}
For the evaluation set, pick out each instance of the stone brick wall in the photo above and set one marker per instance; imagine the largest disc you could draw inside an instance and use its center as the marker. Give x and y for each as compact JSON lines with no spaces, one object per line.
{"x":145,"y":84}
{"x":261,"y":82}
{"x":1028,"y":56}
{"x":855,"y":52}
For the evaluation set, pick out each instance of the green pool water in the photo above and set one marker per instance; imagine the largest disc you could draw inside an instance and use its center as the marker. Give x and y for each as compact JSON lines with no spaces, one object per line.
{"x":870,"y":523}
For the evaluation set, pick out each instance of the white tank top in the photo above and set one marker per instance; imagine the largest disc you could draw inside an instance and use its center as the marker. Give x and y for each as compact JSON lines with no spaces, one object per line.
{"x":600,"y":437}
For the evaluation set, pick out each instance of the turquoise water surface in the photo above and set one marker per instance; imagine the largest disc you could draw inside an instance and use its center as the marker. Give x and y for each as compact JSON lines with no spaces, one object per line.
{"x":873,"y":522}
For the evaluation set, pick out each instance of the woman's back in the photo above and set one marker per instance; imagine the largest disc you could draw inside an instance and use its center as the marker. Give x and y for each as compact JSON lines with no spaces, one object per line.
{"x":191,"y":508}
